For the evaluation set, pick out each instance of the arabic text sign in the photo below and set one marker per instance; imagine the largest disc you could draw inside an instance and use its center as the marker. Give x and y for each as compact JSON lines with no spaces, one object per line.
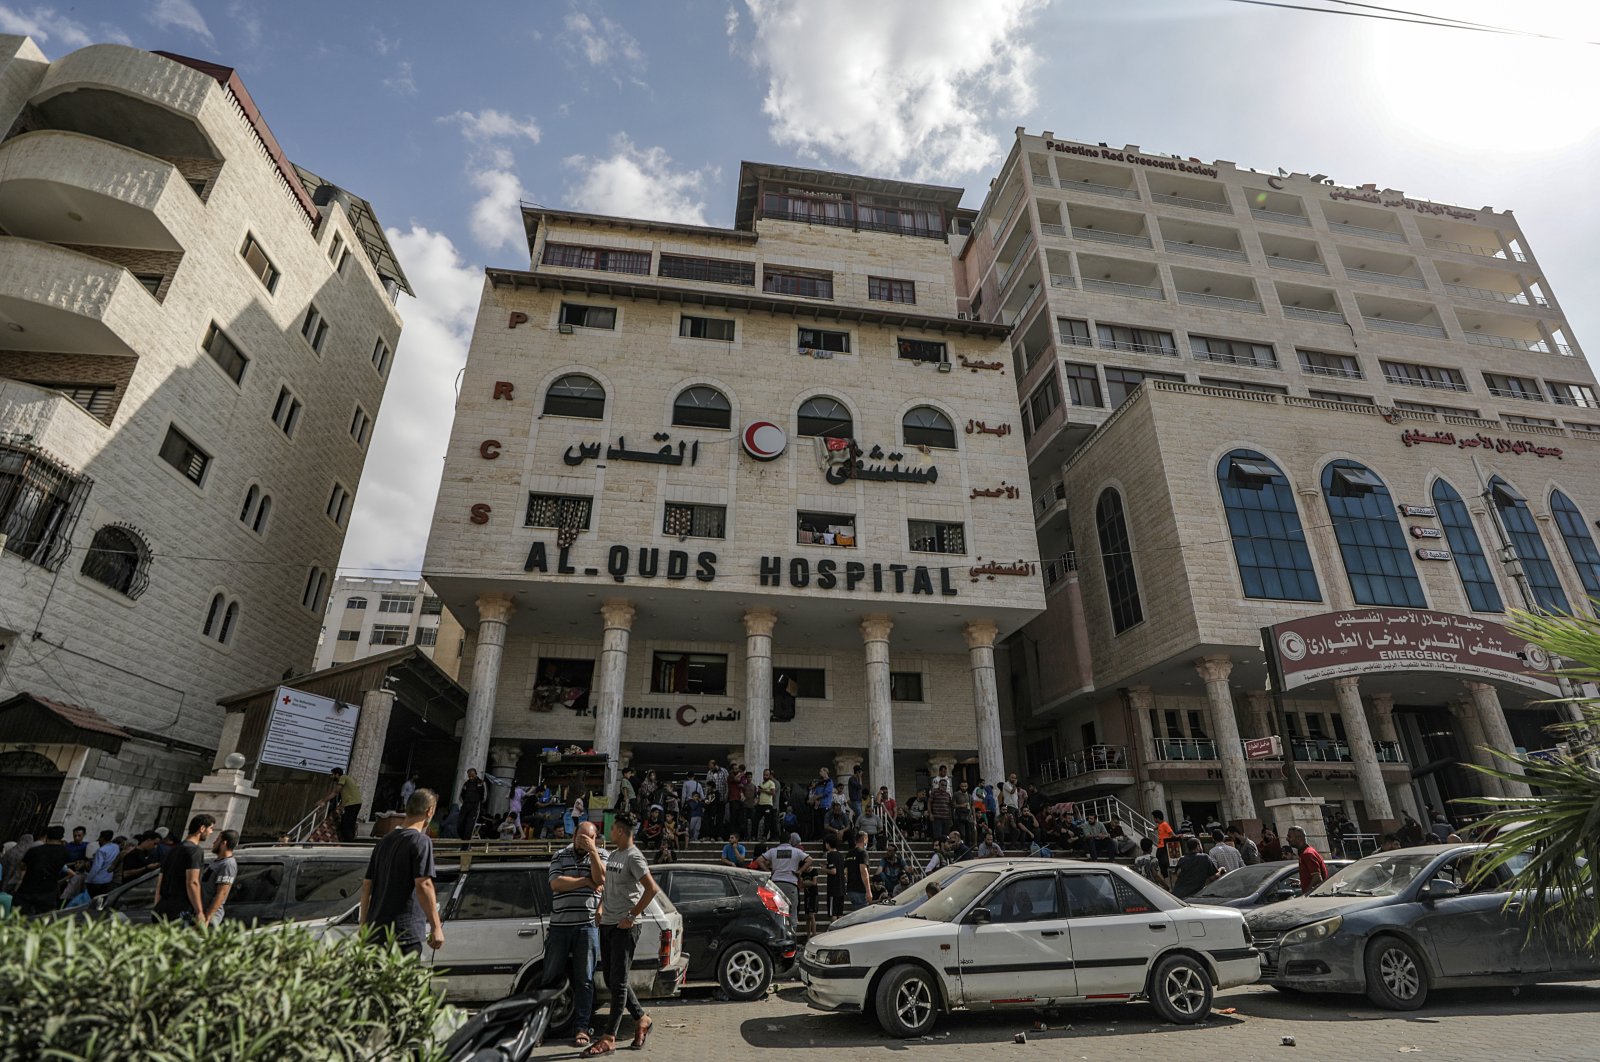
{"x":308,"y":732}
{"x":1261,"y":748}
{"x":1368,"y":641}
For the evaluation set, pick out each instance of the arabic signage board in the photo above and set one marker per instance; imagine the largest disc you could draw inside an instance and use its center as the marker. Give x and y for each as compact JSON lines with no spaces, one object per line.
{"x":1262,"y":748}
{"x":1433,"y":554}
{"x":1419,"y":510}
{"x":308,"y":732}
{"x":1379,"y":640}
{"x":1493,"y":444}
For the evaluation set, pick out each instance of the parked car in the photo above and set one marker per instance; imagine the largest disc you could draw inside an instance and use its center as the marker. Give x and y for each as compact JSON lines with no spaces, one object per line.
{"x":737,"y":927}
{"x":903,"y":902}
{"x":275,"y":883}
{"x":1258,"y":885}
{"x":1397,"y":924}
{"x":1029,"y":933}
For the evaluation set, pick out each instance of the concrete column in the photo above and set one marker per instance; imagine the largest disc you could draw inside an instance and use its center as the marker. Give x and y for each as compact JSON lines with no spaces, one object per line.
{"x":1082,"y":655}
{"x":618,"y":616}
{"x":1472,"y":733}
{"x":503,"y":760}
{"x":1261,"y":725}
{"x":366,"y":753}
{"x":228,"y":740}
{"x":1304,"y":812}
{"x":980,"y":635}
{"x":1347,"y":691}
{"x":845,"y":761}
{"x":1239,"y":802}
{"x":1152,"y":793}
{"x":880,"y":716}
{"x":758,"y":625}
{"x":1323,"y":545}
{"x":1492,"y":718}
{"x":494,"y":613}
{"x":224,"y":794}
{"x":1401,"y":798}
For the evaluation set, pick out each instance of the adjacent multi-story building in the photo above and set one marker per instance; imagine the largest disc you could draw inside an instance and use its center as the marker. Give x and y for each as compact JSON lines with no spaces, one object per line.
{"x":195,"y":335}
{"x":370,"y":616}
{"x":1267,"y":400}
{"x":753,"y":492}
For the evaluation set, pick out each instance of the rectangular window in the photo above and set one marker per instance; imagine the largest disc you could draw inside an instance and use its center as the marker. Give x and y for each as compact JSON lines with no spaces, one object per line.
{"x":314,"y":328}
{"x":825,"y":529}
{"x":1074,"y":333}
{"x":1566,"y":394}
{"x":315,"y":590}
{"x":359,"y":425}
{"x":1320,"y":363}
{"x":397,"y":603}
{"x":1045,"y":398}
{"x":427,"y":636}
{"x":432,"y":606}
{"x":559,"y":511}
{"x":286,"y":412}
{"x":349,"y":636}
{"x":380,"y":357}
{"x":93,"y":399}
{"x":704,"y":673}
{"x":1233,"y":352}
{"x":335,"y":248}
{"x":905,"y":686}
{"x":1120,"y":383}
{"x":1083,"y":385}
{"x":695,"y":521}
{"x":923,"y":350}
{"x":799,"y":204}
{"x":581,"y":316}
{"x":259,"y":263}
{"x":882,"y":289}
{"x":389,"y":634}
{"x":227,"y":356}
{"x":935,"y":536}
{"x":338,"y":504}
{"x":811,"y":682}
{"x":1502,"y":386}
{"x":806,"y":285}
{"x":356,"y":603}
{"x":1340,"y":396}
{"x":707,"y":270}
{"x":1137,"y":340}
{"x":600,"y":259}
{"x":181,"y":453}
{"x":824,"y":339}
{"x":151,"y":282}
{"x":1435,"y":376}
{"x":718,"y":328}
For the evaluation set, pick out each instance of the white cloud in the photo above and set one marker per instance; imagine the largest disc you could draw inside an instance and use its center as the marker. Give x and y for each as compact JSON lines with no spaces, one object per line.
{"x":394,"y":506}
{"x":384,"y":44}
{"x":249,"y":22}
{"x":402,"y":83}
{"x":179,"y":14}
{"x":909,"y":87}
{"x":496,"y":216}
{"x":487,"y":126}
{"x":638,"y":183}
{"x":44,"y":25}
{"x":602,"y":40}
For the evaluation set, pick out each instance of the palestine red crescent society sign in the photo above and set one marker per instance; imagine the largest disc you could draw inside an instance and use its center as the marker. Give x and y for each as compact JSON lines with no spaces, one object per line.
{"x":764,"y":440}
{"x":1376,"y":640}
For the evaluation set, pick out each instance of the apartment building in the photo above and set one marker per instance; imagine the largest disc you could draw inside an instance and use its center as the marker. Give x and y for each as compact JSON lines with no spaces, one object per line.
{"x":1270,"y":400}
{"x":365,"y":617}
{"x":195,"y":335}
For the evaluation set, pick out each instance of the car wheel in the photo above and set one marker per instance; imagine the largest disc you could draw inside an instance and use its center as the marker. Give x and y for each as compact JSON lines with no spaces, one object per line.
{"x":744,"y":971}
{"x":561,"y":1010}
{"x":1396,"y":978}
{"x":1180,"y":989}
{"x":907,"y":1002}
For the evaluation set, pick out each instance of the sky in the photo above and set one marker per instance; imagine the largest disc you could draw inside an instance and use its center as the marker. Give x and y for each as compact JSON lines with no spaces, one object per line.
{"x":446,"y":115}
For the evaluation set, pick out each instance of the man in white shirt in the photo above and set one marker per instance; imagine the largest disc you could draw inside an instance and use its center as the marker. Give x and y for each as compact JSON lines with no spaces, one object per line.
{"x":1010,"y":791}
{"x":787,"y":862}
{"x":1224,"y":854}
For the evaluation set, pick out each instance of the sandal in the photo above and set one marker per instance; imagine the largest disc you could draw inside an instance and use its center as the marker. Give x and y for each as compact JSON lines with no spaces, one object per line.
{"x":582,"y":1039}
{"x":641,"y":1031}
{"x":603,"y":1046}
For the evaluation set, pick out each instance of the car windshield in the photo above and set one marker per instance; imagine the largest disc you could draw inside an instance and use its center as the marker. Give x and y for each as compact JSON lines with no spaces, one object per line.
{"x":1385,"y":874}
{"x":918,"y":890}
{"x":1237,"y":884}
{"x":955,"y":897}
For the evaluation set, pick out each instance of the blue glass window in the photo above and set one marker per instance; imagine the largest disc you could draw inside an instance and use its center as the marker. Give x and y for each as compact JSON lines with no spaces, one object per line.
{"x":1580,"y":544}
{"x":1371,"y":541}
{"x":1116,"y":557}
{"x":1524,"y":534}
{"x":1477,"y":578}
{"x":1268,"y":540}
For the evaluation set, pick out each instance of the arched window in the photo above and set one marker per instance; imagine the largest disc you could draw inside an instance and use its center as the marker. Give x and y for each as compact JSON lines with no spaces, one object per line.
{"x":1268,"y":541}
{"x":213,"y":616}
{"x":825,"y":416}
{"x":251,"y":496}
{"x":229,"y":619}
{"x":313,"y":595}
{"x":1477,"y":578}
{"x":1580,"y":544}
{"x":264,"y":510}
{"x":576,"y":395}
{"x":119,"y":557}
{"x":1371,"y":541}
{"x":1116,"y":556}
{"x":702,"y":407}
{"x":1540,"y":573}
{"x":926,"y":426}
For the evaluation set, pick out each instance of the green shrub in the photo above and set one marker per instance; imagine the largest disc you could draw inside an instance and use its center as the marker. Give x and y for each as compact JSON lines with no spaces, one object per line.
{"x":77,"y":990}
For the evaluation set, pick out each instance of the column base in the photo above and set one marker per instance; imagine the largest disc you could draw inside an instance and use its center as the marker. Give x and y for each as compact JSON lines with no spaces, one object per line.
{"x":1304,"y":812}
{"x":225,"y":795}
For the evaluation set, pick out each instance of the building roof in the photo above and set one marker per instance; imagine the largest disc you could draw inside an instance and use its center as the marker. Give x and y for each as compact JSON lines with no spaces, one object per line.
{"x":532,"y":213}
{"x":30,"y":717}
{"x":365,"y":222}
{"x":408,"y":659}
{"x":752,"y":173}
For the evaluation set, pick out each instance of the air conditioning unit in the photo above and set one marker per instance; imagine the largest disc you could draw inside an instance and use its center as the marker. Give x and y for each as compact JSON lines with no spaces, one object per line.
{"x":965,"y":315}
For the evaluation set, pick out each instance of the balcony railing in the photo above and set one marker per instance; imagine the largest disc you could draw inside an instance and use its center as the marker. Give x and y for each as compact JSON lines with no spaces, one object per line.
{"x":1580,"y":401}
{"x":1050,"y":228}
{"x":1327,"y":750}
{"x":1055,"y":569}
{"x":1331,"y":370}
{"x":1055,"y":492}
{"x":1280,"y":217}
{"x":1228,"y":254}
{"x":1138,"y":348}
{"x":1068,"y":339}
{"x":1117,"y":287}
{"x":1100,"y":189}
{"x":1481,"y":252}
{"x":1416,"y":381}
{"x":1362,"y":230}
{"x":1020,"y":258}
{"x":1063,"y":280}
{"x":1185,"y":749}
{"x":1306,"y":313}
{"x":1194,"y":204}
{"x":1247,"y":360}
{"x":1488,"y":339}
{"x":1385,"y":278}
{"x":1564,"y":350}
{"x":1027,"y":306}
{"x":1517,"y":393}
{"x":1104,"y":236}
{"x":1043,"y":180}
{"x":1085,"y":761}
{"x":1299,"y":265}
{"x":1513,"y":298}
{"x":1383,"y":324}
{"x":1221,"y":302}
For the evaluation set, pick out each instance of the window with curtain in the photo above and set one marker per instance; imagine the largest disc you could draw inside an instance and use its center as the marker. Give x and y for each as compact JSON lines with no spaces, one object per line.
{"x":575,"y":395}
{"x":1543,"y":583}
{"x":1372,"y":543}
{"x":825,"y":416}
{"x":1116,"y":556}
{"x":1580,"y":543}
{"x":926,"y":426}
{"x":1477,"y":578}
{"x":1269,"y":542}
{"x":702,"y":407}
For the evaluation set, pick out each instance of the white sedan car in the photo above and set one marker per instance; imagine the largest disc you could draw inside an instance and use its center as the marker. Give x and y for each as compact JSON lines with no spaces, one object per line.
{"x":1028,"y":933}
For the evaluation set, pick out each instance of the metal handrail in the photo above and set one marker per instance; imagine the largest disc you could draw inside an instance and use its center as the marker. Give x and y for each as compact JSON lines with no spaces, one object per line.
{"x":1132,"y":291}
{"x":1205,"y":250}
{"x":1224,"y":302}
{"x":1511,"y":392}
{"x":1107,"y":236}
{"x":1194,"y":204}
{"x":1109,"y":809}
{"x":1489,"y":339}
{"x":1050,"y":228}
{"x":1185,"y":749}
{"x":307,"y":826}
{"x":896,"y":838}
{"x":1306,"y":313}
{"x":1043,"y":180}
{"x":1437,"y":385}
{"x":1385,"y":278}
{"x":1087,"y":761}
{"x":1499,"y":253}
{"x":1362,"y":230}
{"x":1056,"y":568}
{"x":1280,"y":216}
{"x":1055,"y":492}
{"x":1233,"y":359}
{"x":1017,"y":260}
{"x":1331,"y":370}
{"x":1298,"y":264}
{"x":1383,"y":324}
{"x":1517,"y":299}
{"x":1100,"y":189}
{"x":1132,"y":347}
{"x":1063,"y":280}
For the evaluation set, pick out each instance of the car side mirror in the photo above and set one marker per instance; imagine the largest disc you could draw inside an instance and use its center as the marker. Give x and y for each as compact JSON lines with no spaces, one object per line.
{"x":980,"y":916}
{"x":1438,"y":889}
{"x":1284,"y":894}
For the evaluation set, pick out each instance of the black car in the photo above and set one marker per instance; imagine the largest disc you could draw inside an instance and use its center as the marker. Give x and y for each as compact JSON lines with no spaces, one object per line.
{"x":1258,"y":885}
{"x":736,"y":925}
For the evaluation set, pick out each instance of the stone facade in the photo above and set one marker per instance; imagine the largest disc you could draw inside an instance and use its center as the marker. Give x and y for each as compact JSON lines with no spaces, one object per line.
{"x":407,"y":608}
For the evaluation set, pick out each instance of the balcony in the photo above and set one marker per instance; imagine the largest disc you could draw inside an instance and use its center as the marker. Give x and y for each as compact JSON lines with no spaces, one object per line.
{"x":1106,"y":236}
{"x":128,"y":97}
{"x":1081,"y":175}
{"x":1298,"y":265}
{"x":1220,"y":302}
{"x":1043,"y":180}
{"x":1512,"y":298}
{"x":1185,"y":749}
{"x":1200,"y":250}
{"x":1409,"y":328}
{"x":1486,"y":339}
{"x":1019,"y":257}
{"x":1056,"y":569}
{"x":1063,"y":280}
{"x":1374,"y":277}
{"x":1438,"y":383}
{"x":1096,"y":767}
{"x":1395,"y":315}
{"x":1306,"y":313}
{"x":1519,"y":393}
{"x":1219,"y":291}
{"x":1050,"y":505}
{"x":55,"y":299}
{"x":1280,"y":218}
{"x":1327,"y":750}
{"x":1464,"y":238}
{"x":1131,"y":291}
{"x":1050,"y":228}
{"x":1280,"y":208}
{"x":63,"y":187}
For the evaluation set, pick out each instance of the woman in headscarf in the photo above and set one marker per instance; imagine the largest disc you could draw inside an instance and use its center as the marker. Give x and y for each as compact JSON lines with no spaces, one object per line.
{"x":12,"y":859}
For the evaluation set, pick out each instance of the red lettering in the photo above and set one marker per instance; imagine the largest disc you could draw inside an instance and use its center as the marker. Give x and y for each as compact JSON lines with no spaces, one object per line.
{"x":480,"y":513}
{"x":489,"y":449}
{"x":503,"y":389}
{"x":517,"y":317}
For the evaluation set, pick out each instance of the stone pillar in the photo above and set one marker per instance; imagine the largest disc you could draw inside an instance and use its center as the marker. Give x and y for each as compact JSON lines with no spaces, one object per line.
{"x":1401,"y":798}
{"x":1347,"y":691}
{"x":228,"y":740}
{"x":366,"y":754}
{"x":503,"y":760}
{"x":224,"y":794}
{"x":494,"y":613}
{"x":1152,"y":793}
{"x":980,"y":635}
{"x":1492,"y":718}
{"x":1304,"y":812}
{"x":880,"y":716}
{"x":1239,"y":804}
{"x":612,"y":683}
{"x":1323,"y":545}
{"x":845,"y":761}
{"x":1261,"y":723}
{"x":1472,"y":733}
{"x":758,"y":625}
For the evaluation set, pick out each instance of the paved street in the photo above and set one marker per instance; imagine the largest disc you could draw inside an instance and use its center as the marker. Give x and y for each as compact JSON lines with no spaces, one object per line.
{"x":1554,"y":1022}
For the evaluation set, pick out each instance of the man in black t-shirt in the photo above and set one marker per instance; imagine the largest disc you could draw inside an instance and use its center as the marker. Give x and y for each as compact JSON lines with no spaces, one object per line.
{"x":397,"y":892}
{"x":39,"y":885}
{"x":858,"y":873}
{"x":141,"y":857}
{"x":473,"y":794}
{"x":1194,"y":870}
{"x":178,"y":886}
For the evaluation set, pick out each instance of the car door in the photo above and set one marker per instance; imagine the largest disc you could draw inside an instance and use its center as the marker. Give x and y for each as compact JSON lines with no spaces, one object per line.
{"x":492,"y":926}
{"x":324,"y":886}
{"x":1019,"y":954}
{"x":1116,"y":932}
{"x":1474,"y":934}
{"x":258,"y":892}
{"x":708,"y":902}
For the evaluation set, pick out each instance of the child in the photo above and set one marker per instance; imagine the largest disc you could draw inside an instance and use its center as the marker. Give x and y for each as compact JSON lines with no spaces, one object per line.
{"x":696,"y":807}
{"x":509,"y":827}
